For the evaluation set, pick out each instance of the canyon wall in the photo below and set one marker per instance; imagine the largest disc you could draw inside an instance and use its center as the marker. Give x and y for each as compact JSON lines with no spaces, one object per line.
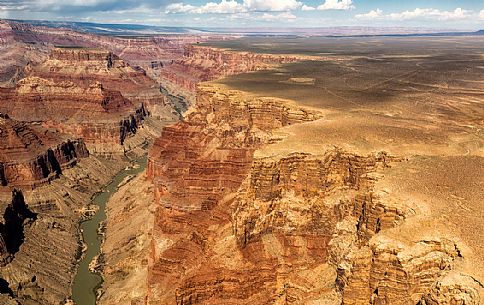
{"x":69,"y":116}
{"x":236,"y":224}
{"x":43,"y":268}
{"x":31,"y":155}
{"x":200,"y":63}
{"x":209,"y":152}
{"x":31,"y":43}
{"x":89,"y":94}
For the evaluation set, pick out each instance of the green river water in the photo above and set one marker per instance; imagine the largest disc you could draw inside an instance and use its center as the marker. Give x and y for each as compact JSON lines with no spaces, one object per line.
{"x":86,"y":283}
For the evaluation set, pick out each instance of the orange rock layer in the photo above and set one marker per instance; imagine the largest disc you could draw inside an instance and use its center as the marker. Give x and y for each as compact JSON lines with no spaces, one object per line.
{"x":232,"y":228}
{"x":209,"y":153}
{"x":88,"y":93}
{"x":194,"y":165}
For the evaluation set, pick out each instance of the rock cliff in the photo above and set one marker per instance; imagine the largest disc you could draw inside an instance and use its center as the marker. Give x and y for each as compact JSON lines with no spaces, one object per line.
{"x":200,"y":63}
{"x":43,"y":268}
{"x":31,"y":155}
{"x":26,"y":43}
{"x":208,"y":153}
{"x":239,"y":224}
{"x":68,"y":108}
{"x":206,"y":158}
{"x":87,"y":93}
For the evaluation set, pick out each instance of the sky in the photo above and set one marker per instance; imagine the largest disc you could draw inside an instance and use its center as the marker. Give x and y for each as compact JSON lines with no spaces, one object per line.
{"x":440,"y":14}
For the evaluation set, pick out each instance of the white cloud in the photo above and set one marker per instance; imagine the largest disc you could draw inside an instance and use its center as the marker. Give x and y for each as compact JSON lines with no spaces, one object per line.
{"x":307,"y":8}
{"x":234,"y":7}
{"x":418,"y":13}
{"x":272,"y":5}
{"x":224,"y":7}
{"x":336,"y":5}
{"x":430,"y":13}
{"x":373,"y":14}
{"x":273,"y":17}
{"x":176,"y":8}
{"x":481,"y":14}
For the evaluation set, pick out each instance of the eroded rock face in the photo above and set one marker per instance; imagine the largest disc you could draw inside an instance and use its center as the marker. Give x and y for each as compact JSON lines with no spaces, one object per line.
{"x":386,"y":273}
{"x":237,"y":227}
{"x":208,"y":154}
{"x":31,"y":155}
{"x":206,"y":63}
{"x":44,"y":267}
{"x":87,"y":93}
{"x":31,"y":44}
{"x":290,"y":195}
{"x":453,"y":289}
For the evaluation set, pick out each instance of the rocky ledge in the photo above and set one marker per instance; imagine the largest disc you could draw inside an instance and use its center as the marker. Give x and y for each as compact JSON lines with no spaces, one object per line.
{"x":235,"y":226}
{"x":200,"y":63}
{"x":87,"y":93}
{"x":31,"y":155}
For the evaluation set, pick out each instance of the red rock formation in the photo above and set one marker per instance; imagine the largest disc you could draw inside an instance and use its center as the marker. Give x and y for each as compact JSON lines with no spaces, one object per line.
{"x":202,"y":161}
{"x":87,"y":93}
{"x":30,"y":155}
{"x":206,"y":63}
{"x":231,"y":228}
{"x":33,"y":43}
{"x":194,"y":164}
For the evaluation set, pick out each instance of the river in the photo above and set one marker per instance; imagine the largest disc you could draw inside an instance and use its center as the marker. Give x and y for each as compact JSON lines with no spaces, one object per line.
{"x":86,"y":283}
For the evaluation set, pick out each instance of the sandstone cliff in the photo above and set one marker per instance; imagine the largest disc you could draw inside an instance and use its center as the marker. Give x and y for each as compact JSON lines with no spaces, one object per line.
{"x":209,"y":152}
{"x":90,"y":94}
{"x":201,"y":63}
{"x":31,"y":155}
{"x":206,"y":158}
{"x":239,"y":224}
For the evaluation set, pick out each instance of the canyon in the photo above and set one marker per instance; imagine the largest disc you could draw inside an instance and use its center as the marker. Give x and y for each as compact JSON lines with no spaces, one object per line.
{"x":344,"y":174}
{"x":72,"y":116}
{"x":269,"y":194}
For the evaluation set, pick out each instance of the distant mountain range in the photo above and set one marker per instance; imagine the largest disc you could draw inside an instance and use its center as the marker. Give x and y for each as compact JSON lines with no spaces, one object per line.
{"x":344,"y":31}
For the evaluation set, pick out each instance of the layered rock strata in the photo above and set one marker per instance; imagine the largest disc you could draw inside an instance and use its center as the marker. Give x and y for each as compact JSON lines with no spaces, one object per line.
{"x":206,"y":158}
{"x":126,"y":251}
{"x":31,"y":155}
{"x":87,"y":93}
{"x":208,"y":153}
{"x":42,"y":270}
{"x":234,"y":225}
{"x":201,"y":63}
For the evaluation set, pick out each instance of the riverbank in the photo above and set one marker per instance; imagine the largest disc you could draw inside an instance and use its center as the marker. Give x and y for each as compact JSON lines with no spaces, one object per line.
{"x":125,"y":251}
{"x":44,"y":268}
{"x":88,"y":278}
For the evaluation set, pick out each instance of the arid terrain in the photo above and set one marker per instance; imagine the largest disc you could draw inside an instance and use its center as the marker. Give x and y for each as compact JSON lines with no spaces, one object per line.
{"x":281,"y":170}
{"x":355,"y":178}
